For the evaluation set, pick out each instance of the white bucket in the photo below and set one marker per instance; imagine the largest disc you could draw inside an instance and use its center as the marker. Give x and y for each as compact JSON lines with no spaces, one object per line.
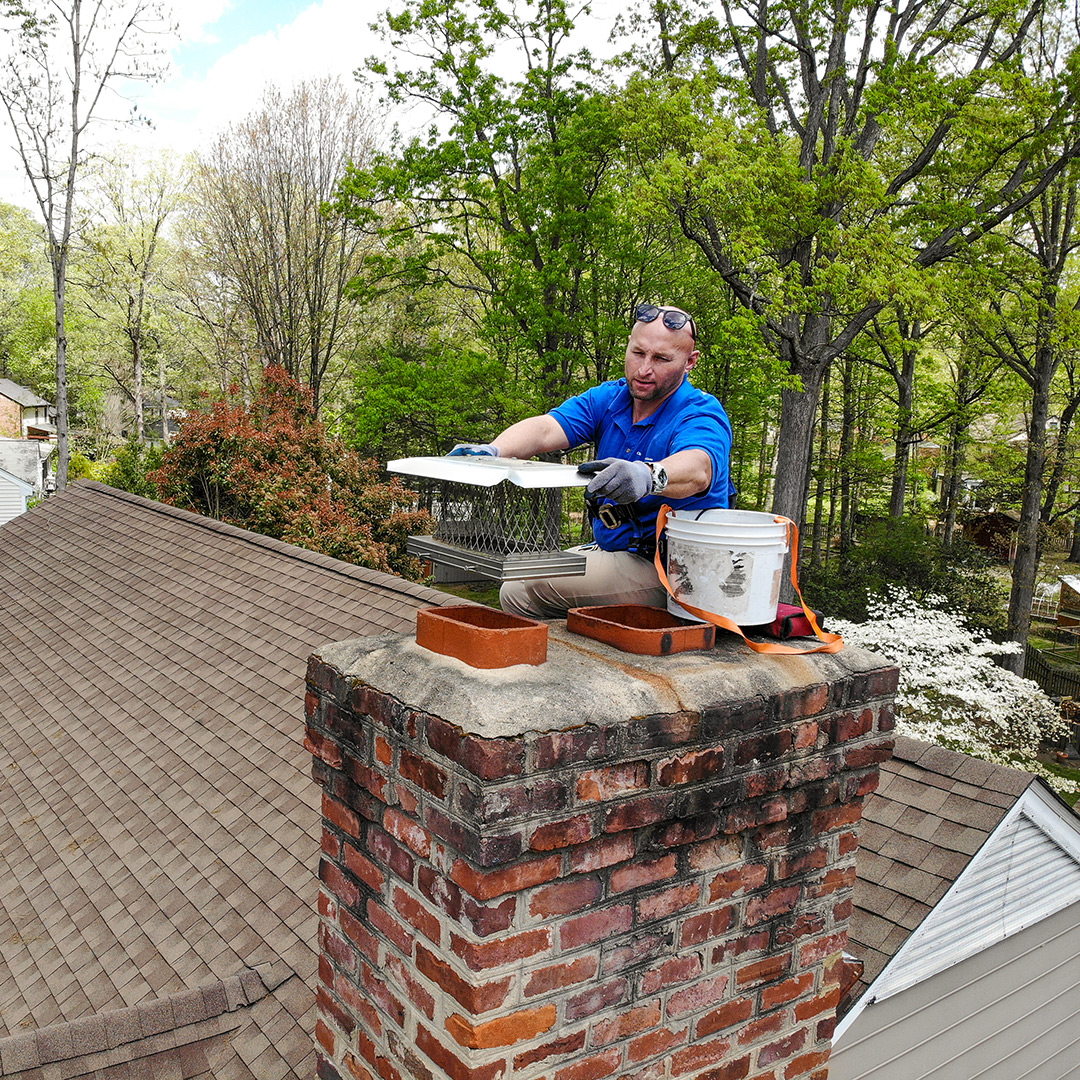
{"x":728,"y":562}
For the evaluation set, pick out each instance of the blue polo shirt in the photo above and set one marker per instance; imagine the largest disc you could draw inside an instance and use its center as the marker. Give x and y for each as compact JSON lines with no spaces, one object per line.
{"x":688,"y":420}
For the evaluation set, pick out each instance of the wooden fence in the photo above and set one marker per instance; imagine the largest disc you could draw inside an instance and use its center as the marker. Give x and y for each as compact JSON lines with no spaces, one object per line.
{"x":1056,"y":681}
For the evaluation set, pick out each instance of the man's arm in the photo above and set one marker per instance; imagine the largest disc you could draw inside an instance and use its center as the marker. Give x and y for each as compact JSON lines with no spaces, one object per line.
{"x":689,"y":473}
{"x":536,"y":435}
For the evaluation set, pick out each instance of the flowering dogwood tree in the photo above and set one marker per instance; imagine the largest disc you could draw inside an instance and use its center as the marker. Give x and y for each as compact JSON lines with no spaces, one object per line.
{"x":951,"y":692}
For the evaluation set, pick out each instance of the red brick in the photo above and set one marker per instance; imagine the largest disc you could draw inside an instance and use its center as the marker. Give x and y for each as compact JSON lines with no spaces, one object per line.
{"x":423,"y":773}
{"x":862,"y":757}
{"x":351,"y":996}
{"x":597,"y":999}
{"x":326,"y":970}
{"x":324,"y":749}
{"x":761,"y":971}
{"x":757,"y":942}
{"x":642,"y":872}
{"x":638,"y":949}
{"x":366,"y":777}
{"x":731,"y":1070}
{"x":708,"y":925}
{"x":477,"y":998}
{"x":414,"y":990}
{"x":775,"y":902}
{"x":337,"y":884}
{"x":806,"y":735}
{"x":677,"y":969}
{"x":357,"y":932}
{"x":595,"y":926}
{"x":405,"y":799}
{"x":389,"y":927}
{"x":564,"y":897}
{"x":798,"y":704}
{"x":813,"y":922}
{"x":698,"y":1055}
{"x":607,"y":851}
{"x":332,"y":1009}
{"x":834,"y":880}
{"x":413,"y":912}
{"x":559,"y":976}
{"x":592,"y":1068}
{"x":451,"y":1064}
{"x":503,"y":1031}
{"x":356,"y":1070}
{"x":817,"y":950}
{"x":782,"y":1048}
{"x":410,"y":833}
{"x":561,"y":834}
{"x":383,"y":752}
{"x":331,"y":845}
{"x":515,"y":878}
{"x":341,"y":953}
{"x":697,"y":997}
{"x":690,"y":768}
{"x":568,"y":1044}
{"x":632,"y":1022}
{"x":381,"y":995}
{"x":837,"y":817}
{"x":766,"y":781}
{"x":340,"y":815}
{"x":664,"y":729}
{"x":636,"y":813}
{"x":788,"y":990}
{"x":717,"y":852}
{"x":847,"y":843}
{"x":364,"y":869}
{"x":324,"y":1036}
{"x":570,"y":747}
{"x":390,"y":853}
{"x":726,"y":1016}
{"x":489,"y":759}
{"x":825,"y":1001}
{"x":599,"y":785}
{"x":503,"y":950}
{"x":806,"y":1064}
{"x":327,"y":906}
{"x":761,"y":1026}
{"x":850,"y":726}
{"x":662,"y":904}
{"x":740,"y":879}
{"x":653,"y":1043}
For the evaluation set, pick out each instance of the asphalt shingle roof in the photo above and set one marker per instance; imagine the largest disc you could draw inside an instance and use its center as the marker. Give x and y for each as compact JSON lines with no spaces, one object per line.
{"x":158,"y":824}
{"x":933,"y":809}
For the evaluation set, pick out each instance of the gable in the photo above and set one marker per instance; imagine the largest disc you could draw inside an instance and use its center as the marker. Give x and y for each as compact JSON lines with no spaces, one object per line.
{"x":1027,"y":870}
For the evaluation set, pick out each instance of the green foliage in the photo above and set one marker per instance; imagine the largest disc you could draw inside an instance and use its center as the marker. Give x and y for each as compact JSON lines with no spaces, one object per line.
{"x":902,"y":552}
{"x":268,"y":466}
{"x":130,"y":469}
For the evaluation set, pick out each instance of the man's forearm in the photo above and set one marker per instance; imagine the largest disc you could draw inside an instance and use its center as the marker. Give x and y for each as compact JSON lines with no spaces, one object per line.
{"x":527,"y":438}
{"x":689,"y":473}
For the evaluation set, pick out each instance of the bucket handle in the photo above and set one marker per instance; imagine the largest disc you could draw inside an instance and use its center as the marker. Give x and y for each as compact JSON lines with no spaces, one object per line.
{"x":829,"y":642}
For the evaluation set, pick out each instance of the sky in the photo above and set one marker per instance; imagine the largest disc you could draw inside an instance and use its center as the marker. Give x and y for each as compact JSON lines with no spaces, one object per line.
{"x":225,"y":54}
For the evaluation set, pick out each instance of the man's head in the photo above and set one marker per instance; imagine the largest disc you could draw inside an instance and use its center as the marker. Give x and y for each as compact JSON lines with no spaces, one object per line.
{"x":660,"y":352}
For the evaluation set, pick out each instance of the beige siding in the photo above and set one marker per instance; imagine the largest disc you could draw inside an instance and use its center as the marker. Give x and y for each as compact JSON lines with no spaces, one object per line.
{"x":1010,"y":1011}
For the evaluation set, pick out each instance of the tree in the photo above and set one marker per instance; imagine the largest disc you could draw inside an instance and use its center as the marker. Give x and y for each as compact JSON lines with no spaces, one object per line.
{"x":823,"y":155}
{"x":67,"y":52}
{"x":262,"y":228}
{"x":121,"y":270}
{"x":520,"y":189}
{"x":269,"y":466}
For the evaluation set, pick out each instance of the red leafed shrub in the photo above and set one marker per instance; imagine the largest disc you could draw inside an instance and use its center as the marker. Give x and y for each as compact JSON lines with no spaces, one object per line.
{"x":268,"y":466}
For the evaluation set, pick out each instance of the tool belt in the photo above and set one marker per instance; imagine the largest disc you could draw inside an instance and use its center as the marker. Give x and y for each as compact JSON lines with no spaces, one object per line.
{"x":614,"y":514}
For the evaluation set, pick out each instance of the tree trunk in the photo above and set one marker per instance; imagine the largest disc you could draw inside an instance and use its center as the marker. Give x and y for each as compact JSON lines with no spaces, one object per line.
{"x":59,"y":300}
{"x":847,"y":440}
{"x":905,"y":436}
{"x":162,"y":389}
{"x":822,"y":470}
{"x":1026,"y":564}
{"x":797,"y":411}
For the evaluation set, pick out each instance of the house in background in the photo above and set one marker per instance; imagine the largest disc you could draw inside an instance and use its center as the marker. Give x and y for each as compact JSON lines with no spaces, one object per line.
{"x":23,"y":414}
{"x":967,"y":925}
{"x":159,"y":830}
{"x":15,"y":496}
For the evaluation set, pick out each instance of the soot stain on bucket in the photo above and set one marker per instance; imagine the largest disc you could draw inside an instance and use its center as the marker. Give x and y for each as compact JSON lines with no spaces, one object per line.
{"x":735,"y":583}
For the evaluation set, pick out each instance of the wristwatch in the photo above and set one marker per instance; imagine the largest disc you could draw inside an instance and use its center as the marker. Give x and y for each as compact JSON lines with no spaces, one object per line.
{"x":659,"y":477}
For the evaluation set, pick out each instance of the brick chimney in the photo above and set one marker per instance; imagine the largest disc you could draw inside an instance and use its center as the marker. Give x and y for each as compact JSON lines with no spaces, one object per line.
{"x":605,"y":865}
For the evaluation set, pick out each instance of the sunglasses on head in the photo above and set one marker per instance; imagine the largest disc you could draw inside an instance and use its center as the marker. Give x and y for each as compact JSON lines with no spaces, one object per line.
{"x":674,"y":319}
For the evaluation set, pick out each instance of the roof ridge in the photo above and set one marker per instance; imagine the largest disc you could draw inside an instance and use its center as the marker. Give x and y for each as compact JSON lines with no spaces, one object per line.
{"x":107,"y":1030}
{"x":390,"y":582}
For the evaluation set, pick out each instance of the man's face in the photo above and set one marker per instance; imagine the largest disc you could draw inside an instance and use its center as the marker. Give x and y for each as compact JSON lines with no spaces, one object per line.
{"x":657,"y":360}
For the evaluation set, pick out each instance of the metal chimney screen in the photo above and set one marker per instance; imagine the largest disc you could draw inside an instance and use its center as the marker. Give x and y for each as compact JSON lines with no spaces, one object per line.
{"x":500,"y":518}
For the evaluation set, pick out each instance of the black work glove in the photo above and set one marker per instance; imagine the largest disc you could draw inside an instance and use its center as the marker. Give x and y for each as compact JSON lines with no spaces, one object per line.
{"x":616,"y":479}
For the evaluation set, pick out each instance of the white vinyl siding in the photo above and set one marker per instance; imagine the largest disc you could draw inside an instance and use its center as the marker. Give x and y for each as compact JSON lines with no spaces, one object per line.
{"x":13,"y":496}
{"x":1009,"y":1012}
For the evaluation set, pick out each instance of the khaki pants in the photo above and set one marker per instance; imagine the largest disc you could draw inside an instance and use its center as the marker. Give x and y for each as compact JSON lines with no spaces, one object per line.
{"x":611,"y":577}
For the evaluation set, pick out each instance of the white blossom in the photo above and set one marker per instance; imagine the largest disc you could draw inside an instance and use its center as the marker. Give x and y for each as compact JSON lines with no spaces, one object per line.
{"x":951,"y":692}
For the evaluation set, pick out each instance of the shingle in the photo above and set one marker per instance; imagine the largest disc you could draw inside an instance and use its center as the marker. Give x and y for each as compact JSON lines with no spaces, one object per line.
{"x":162,"y":740}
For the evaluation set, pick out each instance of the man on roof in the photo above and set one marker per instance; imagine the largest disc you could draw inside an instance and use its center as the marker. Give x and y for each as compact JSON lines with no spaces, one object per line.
{"x":658,"y":440}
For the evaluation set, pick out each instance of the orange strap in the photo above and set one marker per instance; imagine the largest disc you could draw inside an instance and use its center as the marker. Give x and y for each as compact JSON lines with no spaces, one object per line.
{"x":830,"y":642}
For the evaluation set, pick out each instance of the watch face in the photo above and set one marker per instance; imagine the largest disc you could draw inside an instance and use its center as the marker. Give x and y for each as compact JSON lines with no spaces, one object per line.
{"x":659,"y":479}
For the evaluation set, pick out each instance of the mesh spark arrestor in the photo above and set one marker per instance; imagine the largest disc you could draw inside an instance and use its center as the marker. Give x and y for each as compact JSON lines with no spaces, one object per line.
{"x":498,"y":518}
